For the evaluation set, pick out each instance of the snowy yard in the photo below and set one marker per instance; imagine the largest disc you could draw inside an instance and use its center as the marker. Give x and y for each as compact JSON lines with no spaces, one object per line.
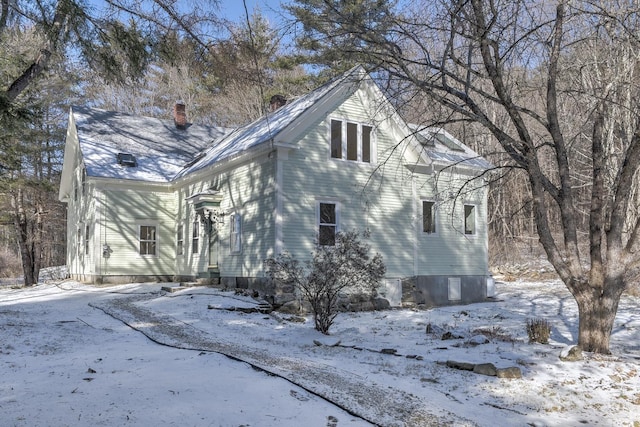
{"x":65,"y":362}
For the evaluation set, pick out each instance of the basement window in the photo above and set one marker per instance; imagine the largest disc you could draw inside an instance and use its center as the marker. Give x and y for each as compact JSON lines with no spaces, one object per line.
{"x":455,"y":289}
{"x":127,"y":159}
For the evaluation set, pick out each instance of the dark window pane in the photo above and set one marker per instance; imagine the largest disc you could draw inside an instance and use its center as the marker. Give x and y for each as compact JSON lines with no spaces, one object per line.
{"x":180,"y":240}
{"x":195,"y":237}
{"x":352,"y":141}
{"x":327,"y":213}
{"x":147,"y":248}
{"x":366,"y":144}
{"x":428,"y":217}
{"x":327,"y":235}
{"x":469,"y":219}
{"x":336,"y":139}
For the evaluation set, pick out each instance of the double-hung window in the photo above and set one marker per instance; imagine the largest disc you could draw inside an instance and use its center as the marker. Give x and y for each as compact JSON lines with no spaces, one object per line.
{"x":148,"y":239}
{"x":235,"y":233}
{"x":351,"y":141}
{"x":180,"y":240}
{"x":327,"y":223}
{"x":469,"y":219}
{"x":428,"y":217}
{"x":87,"y":229}
{"x":195,"y":237}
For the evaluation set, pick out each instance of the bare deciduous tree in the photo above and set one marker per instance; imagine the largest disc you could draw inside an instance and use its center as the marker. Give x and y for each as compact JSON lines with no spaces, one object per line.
{"x":556,"y":85}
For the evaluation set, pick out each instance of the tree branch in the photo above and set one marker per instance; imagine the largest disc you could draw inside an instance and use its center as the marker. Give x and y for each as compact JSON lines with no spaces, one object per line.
{"x":54,"y":35}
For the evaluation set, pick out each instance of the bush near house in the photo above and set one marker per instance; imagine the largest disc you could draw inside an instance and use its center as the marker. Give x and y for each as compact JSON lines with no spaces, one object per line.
{"x":333,"y":269}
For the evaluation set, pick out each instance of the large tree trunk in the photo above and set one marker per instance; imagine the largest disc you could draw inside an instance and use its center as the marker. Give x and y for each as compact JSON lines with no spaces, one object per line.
{"x":26,"y":244}
{"x":597,"y":309}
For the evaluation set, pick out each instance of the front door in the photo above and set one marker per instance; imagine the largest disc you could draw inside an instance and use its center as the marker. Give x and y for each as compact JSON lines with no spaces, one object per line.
{"x":213,"y":246}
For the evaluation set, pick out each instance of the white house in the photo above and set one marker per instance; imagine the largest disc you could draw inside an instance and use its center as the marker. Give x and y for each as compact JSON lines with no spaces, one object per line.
{"x":150,"y":199}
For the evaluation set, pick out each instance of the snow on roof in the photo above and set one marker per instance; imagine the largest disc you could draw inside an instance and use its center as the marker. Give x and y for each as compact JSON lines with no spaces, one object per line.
{"x":159,"y":148}
{"x":269,"y":126}
{"x":442,"y":147}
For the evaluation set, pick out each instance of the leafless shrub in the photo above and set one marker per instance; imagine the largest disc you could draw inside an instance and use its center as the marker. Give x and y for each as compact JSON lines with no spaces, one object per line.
{"x":539,"y":330}
{"x":345,"y":266}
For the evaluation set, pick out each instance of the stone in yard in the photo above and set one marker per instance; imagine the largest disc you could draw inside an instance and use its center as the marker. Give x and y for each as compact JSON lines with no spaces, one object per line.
{"x":477,"y":340}
{"x":485,"y":369}
{"x":571,"y":354}
{"x":291,"y":307}
{"x":510,"y":373}
{"x":381,"y":304}
{"x":449,"y":336}
{"x":464,"y":366}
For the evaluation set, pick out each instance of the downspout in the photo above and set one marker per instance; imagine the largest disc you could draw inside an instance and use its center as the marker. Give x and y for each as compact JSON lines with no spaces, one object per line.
{"x":281,"y":155}
{"x":414,"y":204}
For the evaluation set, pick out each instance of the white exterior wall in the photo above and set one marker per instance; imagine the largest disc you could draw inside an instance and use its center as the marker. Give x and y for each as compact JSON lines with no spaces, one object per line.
{"x":368,"y":196}
{"x":120,"y":213}
{"x":247,"y":190}
{"x":80,"y":214}
{"x":384,"y":197}
{"x":449,"y":251}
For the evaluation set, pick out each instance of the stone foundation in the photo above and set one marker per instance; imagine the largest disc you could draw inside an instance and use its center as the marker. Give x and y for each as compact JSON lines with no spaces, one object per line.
{"x":417,"y":291}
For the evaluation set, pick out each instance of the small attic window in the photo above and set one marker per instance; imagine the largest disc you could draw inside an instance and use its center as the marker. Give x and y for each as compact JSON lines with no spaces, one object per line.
{"x":448,"y":142}
{"x":127,"y":159}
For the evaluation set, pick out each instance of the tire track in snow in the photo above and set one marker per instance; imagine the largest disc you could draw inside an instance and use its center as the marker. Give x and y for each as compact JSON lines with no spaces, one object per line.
{"x":377,"y":404}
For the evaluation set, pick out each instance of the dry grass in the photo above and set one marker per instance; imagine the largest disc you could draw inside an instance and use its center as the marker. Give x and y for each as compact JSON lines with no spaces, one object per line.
{"x":539,"y":330}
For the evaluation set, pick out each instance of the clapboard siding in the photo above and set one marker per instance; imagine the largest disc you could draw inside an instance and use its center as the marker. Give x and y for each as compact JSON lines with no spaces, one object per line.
{"x":247,"y":190}
{"x":379,"y":197}
{"x":449,"y":250}
{"x":80,"y":215}
{"x":369,"y":196}
{"x":123,"y":212}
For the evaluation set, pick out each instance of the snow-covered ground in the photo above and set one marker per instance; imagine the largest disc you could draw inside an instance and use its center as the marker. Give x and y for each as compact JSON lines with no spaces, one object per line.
{"x":65,"y":362}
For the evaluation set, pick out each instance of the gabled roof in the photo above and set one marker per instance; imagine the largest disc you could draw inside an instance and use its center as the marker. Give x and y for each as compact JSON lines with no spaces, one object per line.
{"x":122,"y":146}
{"x":266,"y":128}
{"x":159,"y":149}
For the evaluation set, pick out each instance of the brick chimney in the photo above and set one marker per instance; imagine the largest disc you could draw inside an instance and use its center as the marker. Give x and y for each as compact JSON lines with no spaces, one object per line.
{"x":276,"y":102}
{"x":180,"y":115}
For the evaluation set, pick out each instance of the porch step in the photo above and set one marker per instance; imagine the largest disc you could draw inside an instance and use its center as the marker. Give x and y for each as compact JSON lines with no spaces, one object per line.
{"x":186,"y":285}
{"x":265,"y":308}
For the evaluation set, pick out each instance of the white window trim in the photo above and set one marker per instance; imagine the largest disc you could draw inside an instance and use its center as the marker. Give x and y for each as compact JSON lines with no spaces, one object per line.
{"x":235,"y":223}
{"x":317,"y":207}
{"x":475,"y":219}
{"x":80,"y":239}
{"x":195,"y":220}
{"x":157,"y":240}
{"x":435,"y":217}
{"x":180,"y":240}
{"x":87,"y":239}
{"x":372,"y":141}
